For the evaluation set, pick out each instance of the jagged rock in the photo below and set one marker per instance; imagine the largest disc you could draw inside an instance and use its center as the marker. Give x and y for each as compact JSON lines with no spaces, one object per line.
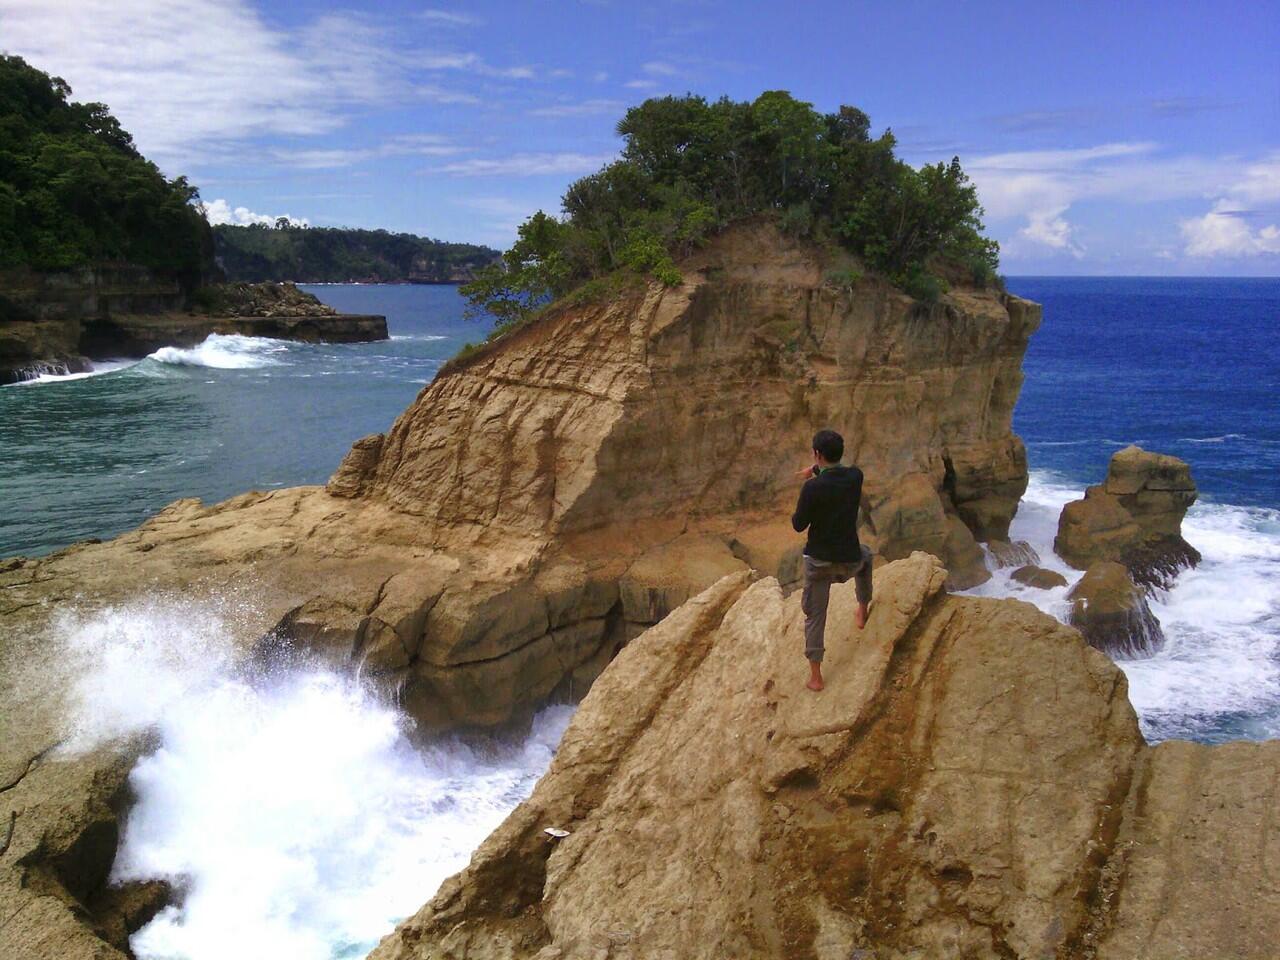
{"x":1038,"y":577}
{"x":972,"y":783}
{"x":966,"y":563}
{"x":1018,"y":553}
{"x":1112,"y":612}
{"x":1134,"y":517}
{"x":474,"y":562}
{"x":243,"y":299}
{"x":352,"y":475}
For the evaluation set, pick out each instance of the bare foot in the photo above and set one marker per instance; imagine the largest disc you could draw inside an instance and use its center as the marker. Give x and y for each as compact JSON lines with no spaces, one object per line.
{"x":860,"y":618}
{"x":815,"y":677}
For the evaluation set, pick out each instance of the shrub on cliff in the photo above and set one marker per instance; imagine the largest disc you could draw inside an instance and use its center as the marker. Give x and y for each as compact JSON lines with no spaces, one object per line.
{"x":690,"y":166}
{"x":74,"y":189}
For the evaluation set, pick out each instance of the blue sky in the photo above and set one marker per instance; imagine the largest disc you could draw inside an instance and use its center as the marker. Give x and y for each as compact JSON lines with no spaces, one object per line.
{"x":1105,"y":138}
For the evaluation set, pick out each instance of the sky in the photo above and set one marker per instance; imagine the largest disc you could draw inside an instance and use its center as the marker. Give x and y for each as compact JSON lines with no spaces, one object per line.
{"x":1105,"y":138}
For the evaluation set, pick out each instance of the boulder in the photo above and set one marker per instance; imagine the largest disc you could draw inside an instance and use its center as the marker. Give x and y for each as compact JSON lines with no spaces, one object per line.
{"x":972,"y":783}
{"x":1017,"y":553}
{"x":966,"y":561}
{"x":1134,"y":518}
{"x":1038,"y":577}
{"x":1112,"y":613}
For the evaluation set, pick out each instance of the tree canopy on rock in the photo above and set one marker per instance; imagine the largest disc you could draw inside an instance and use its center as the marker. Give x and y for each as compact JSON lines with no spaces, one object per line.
{"x":689,"y":167}
{"x":74,"y":189}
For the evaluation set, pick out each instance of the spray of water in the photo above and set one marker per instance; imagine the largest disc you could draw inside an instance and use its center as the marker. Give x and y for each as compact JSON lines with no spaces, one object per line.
{"x":292,"y":812}
{"x":1218,"y":676}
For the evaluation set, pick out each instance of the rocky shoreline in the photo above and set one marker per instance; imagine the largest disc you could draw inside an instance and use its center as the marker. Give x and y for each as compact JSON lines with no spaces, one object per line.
{"x":609,"y":487}
{"x":60,"y":323}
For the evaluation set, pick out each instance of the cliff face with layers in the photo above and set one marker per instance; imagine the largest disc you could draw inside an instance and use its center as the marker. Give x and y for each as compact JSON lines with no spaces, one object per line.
{"x":544,"y":500}
{"x":971,"y":783}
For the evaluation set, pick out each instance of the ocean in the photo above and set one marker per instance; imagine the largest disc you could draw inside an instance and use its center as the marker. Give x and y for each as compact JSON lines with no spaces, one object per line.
{"x":296,"y":814}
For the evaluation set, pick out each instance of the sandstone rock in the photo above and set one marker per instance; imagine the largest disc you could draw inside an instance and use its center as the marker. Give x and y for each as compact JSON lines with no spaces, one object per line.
{"x":474,"y":561}
{"x":1019,"y":553}
{"x":352,"y":475}
{"x":1112,"y":612}
{"x":1038,"y":577}
{"x":972,"y":783}
{"x":966,"y":563}
{"x":1134,"y":517}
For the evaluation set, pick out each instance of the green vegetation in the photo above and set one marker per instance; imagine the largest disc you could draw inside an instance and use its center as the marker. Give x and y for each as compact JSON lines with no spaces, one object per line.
{"x":329,"y":255}
{"x":690,"y":167}
{"x":74,"y":190}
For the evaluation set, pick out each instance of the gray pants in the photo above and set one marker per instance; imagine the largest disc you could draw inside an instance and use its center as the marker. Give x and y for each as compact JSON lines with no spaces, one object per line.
{"x":819,"y":575}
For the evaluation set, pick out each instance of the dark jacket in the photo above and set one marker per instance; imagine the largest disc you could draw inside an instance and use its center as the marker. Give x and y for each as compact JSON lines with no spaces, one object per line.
{"x":828,"y":506}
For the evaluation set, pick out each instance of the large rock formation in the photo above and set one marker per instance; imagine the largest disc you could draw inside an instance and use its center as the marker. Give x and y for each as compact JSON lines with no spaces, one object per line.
{"x":1111,"y":612}
{"x":1134,"y":517}
{"x":972,"y":783}
{"x":57,"y":322}
{"x":551,"y":495}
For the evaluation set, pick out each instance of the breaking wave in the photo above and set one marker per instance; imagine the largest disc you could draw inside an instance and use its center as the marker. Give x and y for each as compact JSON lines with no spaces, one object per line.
{"x":1218,"y":676}
{"x":291,"y":811}
{"x":230,"y":351}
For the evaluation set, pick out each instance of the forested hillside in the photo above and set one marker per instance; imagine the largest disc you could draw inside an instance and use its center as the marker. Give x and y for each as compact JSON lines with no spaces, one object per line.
{"x":74,"y":189}
{"x":333,"y":255}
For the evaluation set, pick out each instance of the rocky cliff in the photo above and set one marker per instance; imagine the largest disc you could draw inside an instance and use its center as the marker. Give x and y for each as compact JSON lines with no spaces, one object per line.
{"x":60,"y":321}
{"x":971,"y":783}
{"x":544,"y":500}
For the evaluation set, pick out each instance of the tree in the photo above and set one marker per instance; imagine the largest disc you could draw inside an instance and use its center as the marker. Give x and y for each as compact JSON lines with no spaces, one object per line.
{"x":688,"y":167}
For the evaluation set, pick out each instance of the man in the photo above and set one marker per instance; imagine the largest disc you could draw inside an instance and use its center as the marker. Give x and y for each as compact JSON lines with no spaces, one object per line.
{"x":828,"y":507}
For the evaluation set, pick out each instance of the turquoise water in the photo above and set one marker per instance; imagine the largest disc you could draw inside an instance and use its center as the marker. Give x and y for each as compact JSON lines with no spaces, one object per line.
{"x":94,"y":456}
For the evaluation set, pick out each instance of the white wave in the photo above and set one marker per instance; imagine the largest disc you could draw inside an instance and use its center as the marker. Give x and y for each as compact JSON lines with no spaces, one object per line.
{"x":1222,"y":439}
{"x":417,"y":336}
{"x":292,"y":811}
{"x":230,"y":351}
{"x":1219,"y":672}
{"x":99,"y":368}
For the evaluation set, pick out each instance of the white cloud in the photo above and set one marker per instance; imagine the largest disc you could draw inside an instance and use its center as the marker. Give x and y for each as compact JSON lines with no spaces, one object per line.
{"x":192,"y":79}
{"x":1033,"y":192}
{"x":583,"y":109}
{"x":640,"y":84}
{"x":660,"y":69}
{"x":449,"y":18}
{"x":401,"y":145}
{"x":527,"y":165}
{"x":220,"y":212}
{"x":1225,"y":230}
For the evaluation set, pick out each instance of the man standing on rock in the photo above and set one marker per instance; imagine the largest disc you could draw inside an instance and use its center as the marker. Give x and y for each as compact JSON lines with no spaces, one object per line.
{"x":828,"y":507}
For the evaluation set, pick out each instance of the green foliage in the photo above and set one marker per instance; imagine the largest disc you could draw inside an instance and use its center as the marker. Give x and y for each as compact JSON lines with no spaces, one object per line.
{"x":690,"y":166}
{"x":73,"y":189}
{"x":336,"y":255}
{"x":843,"y":278}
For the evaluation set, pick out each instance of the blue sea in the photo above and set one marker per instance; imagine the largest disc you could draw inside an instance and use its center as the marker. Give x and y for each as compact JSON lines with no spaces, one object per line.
{"x":331,"y":823}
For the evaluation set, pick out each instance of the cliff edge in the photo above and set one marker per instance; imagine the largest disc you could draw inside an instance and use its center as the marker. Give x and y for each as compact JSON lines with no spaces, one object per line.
{"x":972,"y":783}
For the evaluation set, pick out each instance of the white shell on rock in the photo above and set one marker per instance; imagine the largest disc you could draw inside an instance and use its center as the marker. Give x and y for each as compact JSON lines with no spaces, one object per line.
{"x":556,"y":832}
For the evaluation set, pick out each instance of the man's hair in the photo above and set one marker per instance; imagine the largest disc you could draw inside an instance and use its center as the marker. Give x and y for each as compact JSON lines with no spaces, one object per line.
{"x":830,"y":444}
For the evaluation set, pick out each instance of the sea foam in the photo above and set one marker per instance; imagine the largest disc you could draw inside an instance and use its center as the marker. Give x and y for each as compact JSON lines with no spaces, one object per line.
{"x":1218,"y":675}
{"x":230,"y":351}
{"x":291,"y":811}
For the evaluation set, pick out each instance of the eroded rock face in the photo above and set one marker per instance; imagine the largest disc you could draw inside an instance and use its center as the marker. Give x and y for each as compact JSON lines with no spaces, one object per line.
{"x":1134,"y":517}
{"x":972,"y":783}
{"x":1112,"y":613}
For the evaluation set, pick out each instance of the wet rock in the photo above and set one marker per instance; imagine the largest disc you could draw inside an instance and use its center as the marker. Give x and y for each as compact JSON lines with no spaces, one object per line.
{"x":1112,"y":613}
{"x":1038,"y":577}
{"x":1017,"y":553}
{"x":966,"y":561}
{"x":1134,"y":518}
